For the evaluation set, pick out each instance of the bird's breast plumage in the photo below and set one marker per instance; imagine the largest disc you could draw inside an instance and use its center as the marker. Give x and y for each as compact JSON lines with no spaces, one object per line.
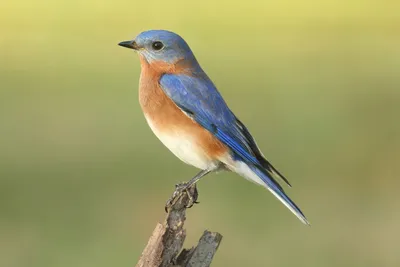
{"x":179,"y":133}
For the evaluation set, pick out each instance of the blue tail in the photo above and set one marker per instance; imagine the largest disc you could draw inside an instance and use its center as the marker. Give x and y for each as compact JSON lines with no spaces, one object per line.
{"x":278,"y":192}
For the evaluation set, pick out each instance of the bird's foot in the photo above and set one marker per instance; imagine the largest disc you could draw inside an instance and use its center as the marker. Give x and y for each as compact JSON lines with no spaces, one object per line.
{"x":180,"y":190}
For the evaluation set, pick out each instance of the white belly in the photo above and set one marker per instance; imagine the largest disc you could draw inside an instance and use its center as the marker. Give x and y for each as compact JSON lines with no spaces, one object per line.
{"x":183,"y":146}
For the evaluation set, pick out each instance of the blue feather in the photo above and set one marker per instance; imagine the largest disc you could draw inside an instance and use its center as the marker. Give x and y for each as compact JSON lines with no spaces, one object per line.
{"x":232,"y":144}
{"x":198,"y":97}
{"x":280,"y":194}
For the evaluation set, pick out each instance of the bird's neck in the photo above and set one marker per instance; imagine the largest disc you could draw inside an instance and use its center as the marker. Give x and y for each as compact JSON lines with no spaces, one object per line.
{"x":151,"y":73}
{"x":180,"y":66}
{"x":150,"y":92}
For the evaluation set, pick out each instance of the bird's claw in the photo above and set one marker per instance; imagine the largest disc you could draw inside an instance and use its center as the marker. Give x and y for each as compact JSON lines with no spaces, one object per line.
{"x":180,"y":189}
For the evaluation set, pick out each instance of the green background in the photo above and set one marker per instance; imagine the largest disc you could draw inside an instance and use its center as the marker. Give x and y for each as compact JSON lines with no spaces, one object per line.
{"x":83,"y":180}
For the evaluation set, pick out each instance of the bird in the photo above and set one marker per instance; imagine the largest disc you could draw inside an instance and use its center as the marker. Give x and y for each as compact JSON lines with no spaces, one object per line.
{"x":189,"y":116}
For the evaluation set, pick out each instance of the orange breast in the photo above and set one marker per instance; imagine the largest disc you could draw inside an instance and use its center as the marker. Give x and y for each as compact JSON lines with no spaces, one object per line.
{"x":167,"y":118}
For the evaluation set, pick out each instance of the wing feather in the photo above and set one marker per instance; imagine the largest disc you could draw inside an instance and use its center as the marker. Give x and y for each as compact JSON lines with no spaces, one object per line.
{"x":198,"y":98}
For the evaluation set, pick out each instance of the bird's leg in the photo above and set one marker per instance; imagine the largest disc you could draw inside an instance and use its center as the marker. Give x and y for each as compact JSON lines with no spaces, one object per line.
{"x":185,"y":188}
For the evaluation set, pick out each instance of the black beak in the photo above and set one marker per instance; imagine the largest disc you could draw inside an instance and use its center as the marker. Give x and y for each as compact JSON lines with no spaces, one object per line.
{"x":129,"y":44}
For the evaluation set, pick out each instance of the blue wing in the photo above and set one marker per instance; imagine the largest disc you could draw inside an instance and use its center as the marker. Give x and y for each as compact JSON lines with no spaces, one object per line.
{"x":199,"y":99}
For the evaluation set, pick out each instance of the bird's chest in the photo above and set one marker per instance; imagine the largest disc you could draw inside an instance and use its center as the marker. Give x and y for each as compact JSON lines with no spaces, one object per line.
{"x":174,"y":129}
{"x":184,"y":137}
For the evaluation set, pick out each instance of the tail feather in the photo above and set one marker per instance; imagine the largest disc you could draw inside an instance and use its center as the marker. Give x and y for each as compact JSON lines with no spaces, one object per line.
{"x":279,"y":193}
{"x":272,"y":170}
{"x":258,"y":154}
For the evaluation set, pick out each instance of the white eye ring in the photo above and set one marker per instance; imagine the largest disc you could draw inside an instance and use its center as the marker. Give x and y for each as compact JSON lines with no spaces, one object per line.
{"x":157,"y":45}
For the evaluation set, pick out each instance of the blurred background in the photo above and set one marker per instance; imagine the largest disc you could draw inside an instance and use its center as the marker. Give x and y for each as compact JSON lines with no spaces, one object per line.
{"x":83,"y":180}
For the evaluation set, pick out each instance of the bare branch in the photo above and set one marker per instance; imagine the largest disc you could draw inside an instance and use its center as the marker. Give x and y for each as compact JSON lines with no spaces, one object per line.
{"x":166,"y":242}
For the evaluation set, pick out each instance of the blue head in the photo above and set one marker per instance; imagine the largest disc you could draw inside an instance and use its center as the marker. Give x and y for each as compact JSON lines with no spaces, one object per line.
{"x":161,"y":46}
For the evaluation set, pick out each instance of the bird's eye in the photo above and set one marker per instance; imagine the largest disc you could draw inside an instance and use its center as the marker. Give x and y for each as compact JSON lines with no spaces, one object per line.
{"x":157,"y":45}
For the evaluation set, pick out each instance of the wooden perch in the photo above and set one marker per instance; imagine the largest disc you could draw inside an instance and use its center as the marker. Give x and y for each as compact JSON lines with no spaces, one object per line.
{"x":164,"y":248}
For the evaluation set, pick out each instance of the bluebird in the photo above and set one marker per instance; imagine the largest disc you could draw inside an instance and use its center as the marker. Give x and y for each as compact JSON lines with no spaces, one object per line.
{"x":187,"y":113}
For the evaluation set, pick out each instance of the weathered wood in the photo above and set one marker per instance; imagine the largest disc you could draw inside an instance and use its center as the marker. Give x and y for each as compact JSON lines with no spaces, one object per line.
{"x":164,"y":248}
{"x":201,"y":255}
